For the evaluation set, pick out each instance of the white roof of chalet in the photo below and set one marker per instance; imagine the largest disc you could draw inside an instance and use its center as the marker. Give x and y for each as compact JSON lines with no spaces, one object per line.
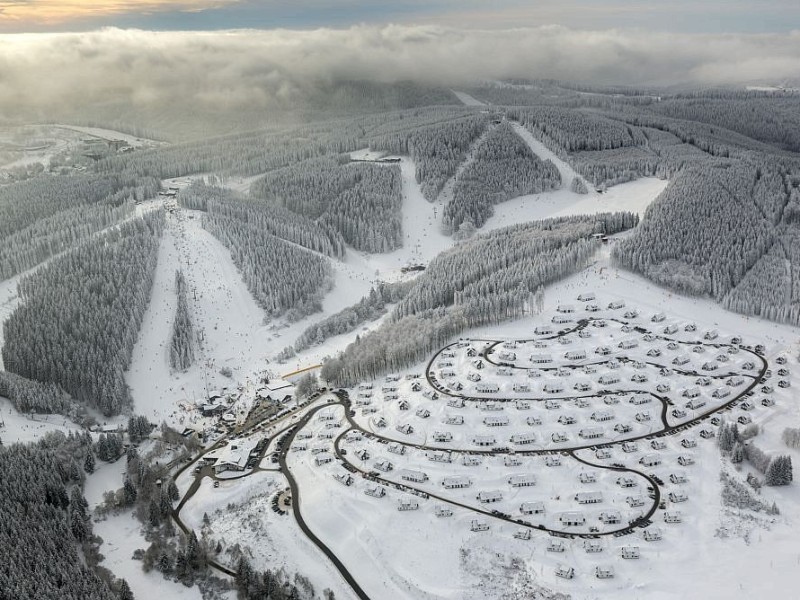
{"x":226,"y":456}
{"x":278,"y":384}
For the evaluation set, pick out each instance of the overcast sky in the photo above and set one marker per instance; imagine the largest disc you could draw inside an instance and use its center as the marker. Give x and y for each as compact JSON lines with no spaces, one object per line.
{"x":267,"y":53}
{"x":688,"y":16}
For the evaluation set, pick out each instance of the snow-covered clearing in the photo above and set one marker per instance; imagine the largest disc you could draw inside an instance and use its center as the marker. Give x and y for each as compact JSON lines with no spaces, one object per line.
{"x":106,"y":477}
{"x":634,"y":196}
{"x":9,"y":299}
{"x":17,"y":427}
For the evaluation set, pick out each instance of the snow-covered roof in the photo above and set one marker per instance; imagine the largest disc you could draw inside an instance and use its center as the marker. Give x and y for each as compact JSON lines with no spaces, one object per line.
{"x":278,"y":384}
{"x":231,"y":457}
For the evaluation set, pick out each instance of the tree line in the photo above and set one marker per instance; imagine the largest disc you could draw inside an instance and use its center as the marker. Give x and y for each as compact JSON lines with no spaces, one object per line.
{"x":369,"y":308}
{"x":278,"y":221}
{"x":49,"y":550}
{"x":48,"y":214}
{"x":437,"y":147}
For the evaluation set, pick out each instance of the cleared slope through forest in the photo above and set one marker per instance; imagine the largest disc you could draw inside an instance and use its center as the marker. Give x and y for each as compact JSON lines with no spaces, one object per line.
{"x":539,"y":149}
{"x":467,"y":100}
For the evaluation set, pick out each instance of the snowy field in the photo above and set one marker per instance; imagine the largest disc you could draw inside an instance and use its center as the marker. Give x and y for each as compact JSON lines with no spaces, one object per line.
{"x":17,"y":427}
{"x":109,"y":134}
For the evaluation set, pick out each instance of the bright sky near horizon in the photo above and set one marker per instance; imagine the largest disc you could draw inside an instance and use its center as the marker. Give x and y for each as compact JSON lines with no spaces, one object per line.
{"x":680,"y":16}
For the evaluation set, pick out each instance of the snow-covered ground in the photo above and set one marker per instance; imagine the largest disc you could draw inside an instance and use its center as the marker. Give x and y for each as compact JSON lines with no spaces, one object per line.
{"x":467,"y":100}
{"x":16,"y":427}
{"x":404,"y":555}
{"x":634,"y":196}
{"x":240,"y":513}
{"x":9,"y":299}
{"x":121,"y":536}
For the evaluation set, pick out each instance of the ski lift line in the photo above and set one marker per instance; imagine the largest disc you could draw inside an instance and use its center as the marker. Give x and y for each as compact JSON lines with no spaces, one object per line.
{"x":303,"y":370}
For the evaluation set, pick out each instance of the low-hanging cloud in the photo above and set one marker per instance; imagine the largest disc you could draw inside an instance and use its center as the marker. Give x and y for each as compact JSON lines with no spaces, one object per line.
{"x":240,"y":68}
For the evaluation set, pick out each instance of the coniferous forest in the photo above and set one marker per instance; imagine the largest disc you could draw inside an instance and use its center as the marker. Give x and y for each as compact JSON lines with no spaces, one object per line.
{"x":504,"y":167}
{"x":183,"y":340}
{"x":45,"y":530}
{"x":80,"y":315}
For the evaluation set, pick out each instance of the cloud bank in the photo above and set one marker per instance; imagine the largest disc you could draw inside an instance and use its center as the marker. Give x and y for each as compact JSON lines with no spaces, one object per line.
{"x":39,"y":12}
{"x":245,"y":68}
